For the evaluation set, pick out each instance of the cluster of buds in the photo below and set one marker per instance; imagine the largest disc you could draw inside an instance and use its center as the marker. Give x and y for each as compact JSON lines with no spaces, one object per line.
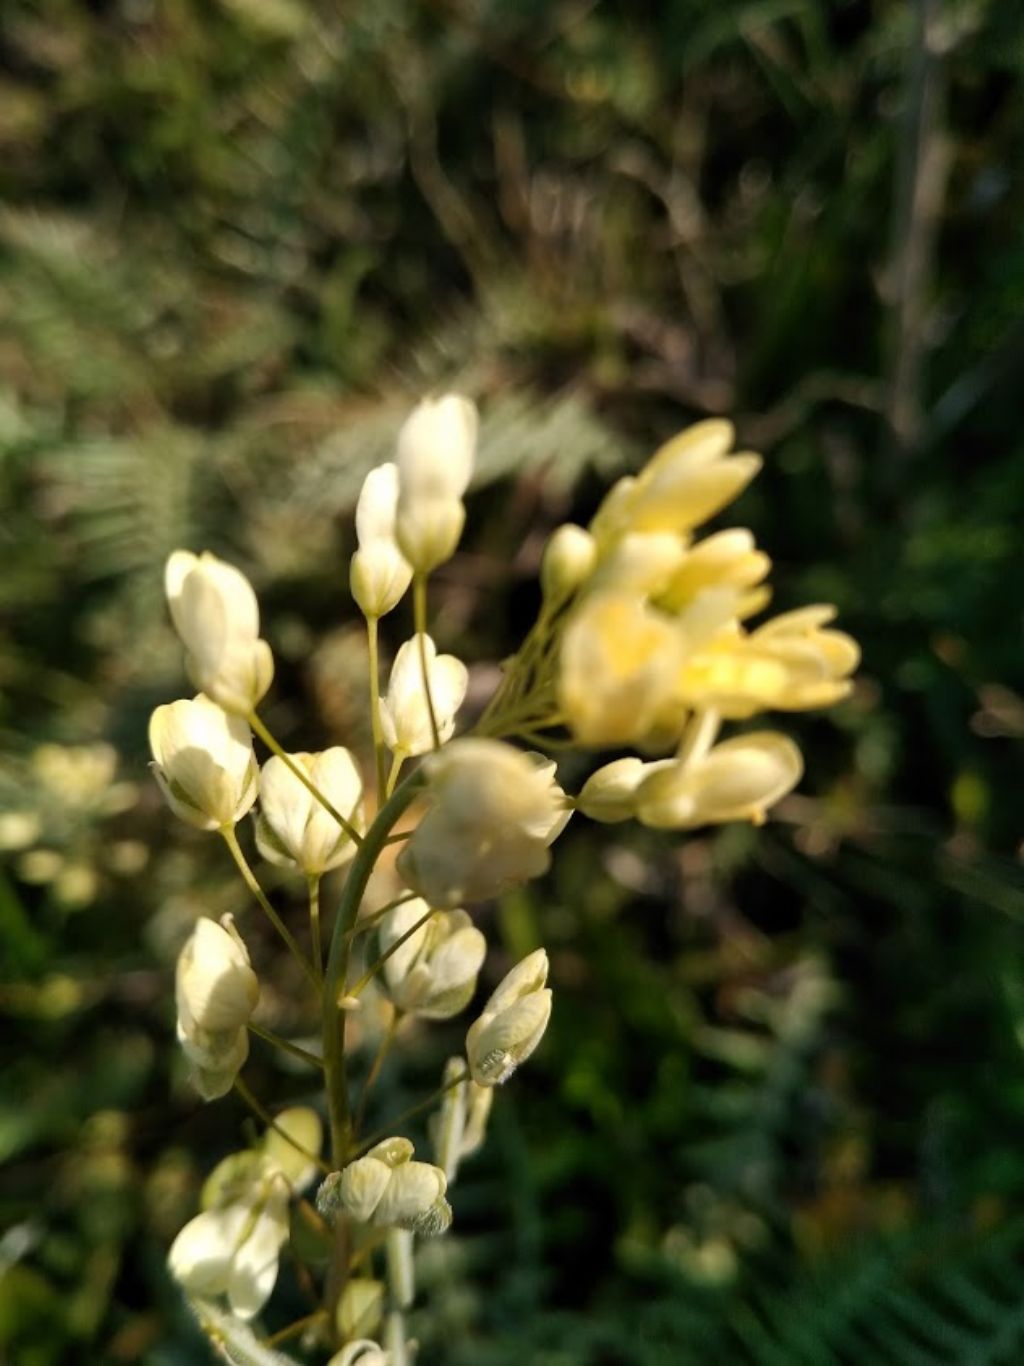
{"x":642,"y":644}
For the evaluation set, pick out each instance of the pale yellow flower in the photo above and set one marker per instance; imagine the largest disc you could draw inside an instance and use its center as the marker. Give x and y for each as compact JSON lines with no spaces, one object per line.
{"x":512,"y":1023}
{"x":379,"y":574}
{"x":215,"y":613}
{"x":386,"y":1189}
{"x":789,"y":664}
{"x":405,"y":712}
{"x":737,"y":780}
{"x":618,"y":667}
{"x":494,"y":812}
{"x":203,"y":761}
{"x":687,"y":481}
{"x":436,"y":448}
{"x":233,"y":1247}
{"x":216,"y":992}
{"x":293,"y":828}
{"x":728,"y":559}
{"x":433,"y":973}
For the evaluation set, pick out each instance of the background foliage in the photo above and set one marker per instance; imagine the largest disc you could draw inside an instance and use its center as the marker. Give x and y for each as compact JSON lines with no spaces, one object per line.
{"x":777,"y":1118}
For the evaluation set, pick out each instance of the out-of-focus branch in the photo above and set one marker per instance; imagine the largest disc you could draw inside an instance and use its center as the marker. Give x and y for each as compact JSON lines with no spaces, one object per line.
{"x":921,"y":176}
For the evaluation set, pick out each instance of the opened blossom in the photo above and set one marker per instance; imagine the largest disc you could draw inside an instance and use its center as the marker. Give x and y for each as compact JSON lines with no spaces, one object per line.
{"x":387,"y":1189}
{"x":738,"y":780}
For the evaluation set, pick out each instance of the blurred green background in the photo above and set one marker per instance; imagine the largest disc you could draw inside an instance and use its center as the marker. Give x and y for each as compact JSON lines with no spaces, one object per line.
{"x":779,"y":1115}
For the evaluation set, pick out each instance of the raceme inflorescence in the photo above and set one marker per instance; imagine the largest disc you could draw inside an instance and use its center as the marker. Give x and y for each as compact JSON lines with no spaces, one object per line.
{"x":642,"y":646}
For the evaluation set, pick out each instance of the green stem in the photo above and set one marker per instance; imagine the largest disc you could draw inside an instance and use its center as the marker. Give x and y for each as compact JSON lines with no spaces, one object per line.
{"x":367,"y":922}
{"x":231,"y":840}
{"x":294,"y":1329}
{"x":698,"y":737}
{"x":419,"y":608}
{"x":384,"y":1048}
{"x":411,"y":1113}
{"x":286,"y":1046}
{"x":396,"y":767}
{"x":265,"y":1117}
{"x":374,"y":968}
{"x":303,"y":777}
{"x":338,"y":961}
{"x":375,"y":723}
{"x":314,"y":923}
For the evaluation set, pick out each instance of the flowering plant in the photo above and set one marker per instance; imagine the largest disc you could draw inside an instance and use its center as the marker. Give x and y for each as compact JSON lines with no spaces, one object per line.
{"x":641,"y":644}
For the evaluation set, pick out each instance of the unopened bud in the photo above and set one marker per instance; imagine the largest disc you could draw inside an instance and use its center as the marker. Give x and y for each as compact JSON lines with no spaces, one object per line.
{"x":512,"y":1022}
{"x":361,"y":1307}
{"x":569,"y":559}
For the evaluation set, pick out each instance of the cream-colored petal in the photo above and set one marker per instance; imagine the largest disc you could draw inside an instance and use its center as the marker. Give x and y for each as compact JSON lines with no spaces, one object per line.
{"x":696,"y":446}
{"x":286,"y":803}
{"x":201,"y":1255}
{"x":305,"y":1127}
{"x":254,"y":1268}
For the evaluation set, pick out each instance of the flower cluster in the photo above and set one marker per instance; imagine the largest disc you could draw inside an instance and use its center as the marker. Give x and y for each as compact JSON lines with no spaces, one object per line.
{"x":654,"y":650}
{"x":643,"y":644}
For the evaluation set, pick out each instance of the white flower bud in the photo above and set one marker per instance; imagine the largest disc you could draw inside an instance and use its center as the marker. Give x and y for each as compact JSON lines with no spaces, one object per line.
{"x":495,"y":812}
{"x":289,"y":1158}
{"x":404,"y":712}
{"x":215,"y":987}
{"x":433,"y":973}
{"x":569,"y":559}
{"x":386,"y":1189}
{"x":609,"y":795}
{"x":361,"y":1306}
{"x":479,"y":1100}
{"x":216,"y":991}
{"x":512,"y":1022}
{"x":203,"y":761}
{"x":293,"y":828}
{"x":460,"y":1125}
{"x":380,"y":573}
{"x":738,"y":780}
{"x":215,"y":613}
{"x":436,"y":447}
